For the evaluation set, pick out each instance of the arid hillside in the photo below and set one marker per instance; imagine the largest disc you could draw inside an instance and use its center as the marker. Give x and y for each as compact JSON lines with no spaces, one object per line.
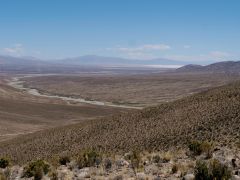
{"x":212,"y":115}
{"x":227,"y":67}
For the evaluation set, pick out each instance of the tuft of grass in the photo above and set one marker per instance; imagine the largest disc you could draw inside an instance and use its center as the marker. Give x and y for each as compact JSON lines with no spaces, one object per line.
{"x":201,"y":171}
{"x":107,"y":164}
{"x":198,"y":147}
{"x":219,"y":170}
{"x":174,"y":168}
{"x":53,"y":174}
{"x":2,"y":176}
{"x":135,"y":159}
{"x":194,"y":146}
{"x":64,"y":160}
{"x":89,"y":158}
{"x":4,"y":162}
{"x":207,"y":147}
{"x":167,"y":157}
{"x":215,"y":170}
{"x":156,"y":158}
{"x":118,"y":177}
{"x":36,"y":169}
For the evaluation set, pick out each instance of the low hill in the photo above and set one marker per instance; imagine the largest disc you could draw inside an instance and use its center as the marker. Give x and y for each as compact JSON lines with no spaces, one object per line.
{"x":210,"y":115}
{"x":229,"y":67}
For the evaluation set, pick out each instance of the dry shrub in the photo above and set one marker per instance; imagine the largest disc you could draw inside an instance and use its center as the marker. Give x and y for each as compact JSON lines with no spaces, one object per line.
{"x":156,"y":158}
{"x":64,"y":160}
{"x":174,"y":168}
{"x":2,"y":176}
{"x":198,"y":147}
{"x":36,"y":169}
{"x":167,"y":157}
{"x":89,"y":158}
{"x":4,"y":162}
{"x":214,"y":170}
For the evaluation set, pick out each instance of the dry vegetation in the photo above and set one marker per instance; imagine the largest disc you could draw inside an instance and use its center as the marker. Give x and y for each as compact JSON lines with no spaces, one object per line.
{"x":211,"y":115}
{"x":181,"y":164}
{"x":136,"y":90}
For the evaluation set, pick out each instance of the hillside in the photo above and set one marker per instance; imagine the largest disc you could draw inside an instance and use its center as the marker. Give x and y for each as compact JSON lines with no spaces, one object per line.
{"x":229,"y":67}
{"x":211,"y":115}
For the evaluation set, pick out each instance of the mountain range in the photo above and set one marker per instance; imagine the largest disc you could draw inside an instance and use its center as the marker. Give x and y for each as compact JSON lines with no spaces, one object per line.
{"x":116,"y":61}
{"x":88,"y":60}
{"x":22,"y":63}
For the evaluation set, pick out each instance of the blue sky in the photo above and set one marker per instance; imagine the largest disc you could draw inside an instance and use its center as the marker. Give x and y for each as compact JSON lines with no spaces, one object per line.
{"x":184,"y":30}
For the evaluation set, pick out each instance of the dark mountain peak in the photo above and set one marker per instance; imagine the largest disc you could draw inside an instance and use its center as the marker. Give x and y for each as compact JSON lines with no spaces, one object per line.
{"x":190,"y":67}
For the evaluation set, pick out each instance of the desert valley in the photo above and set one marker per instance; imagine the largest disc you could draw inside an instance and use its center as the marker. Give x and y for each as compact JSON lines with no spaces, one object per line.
{"x":120,"y":90}
{"x":152,"y":112}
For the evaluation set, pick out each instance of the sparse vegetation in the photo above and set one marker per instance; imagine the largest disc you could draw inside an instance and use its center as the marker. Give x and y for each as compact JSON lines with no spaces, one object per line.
{"x":199,"y":117}
{"x":132,"y":165}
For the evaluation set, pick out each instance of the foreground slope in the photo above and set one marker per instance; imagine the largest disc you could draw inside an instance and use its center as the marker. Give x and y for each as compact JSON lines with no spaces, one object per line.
{"x":211,"y":115}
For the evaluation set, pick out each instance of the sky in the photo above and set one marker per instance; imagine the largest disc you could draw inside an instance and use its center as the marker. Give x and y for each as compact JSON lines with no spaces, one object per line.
{"x":185,"y":30}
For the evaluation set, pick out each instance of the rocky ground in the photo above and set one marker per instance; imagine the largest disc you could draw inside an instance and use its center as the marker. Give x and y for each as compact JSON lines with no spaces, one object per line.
{"x":221,"y":163}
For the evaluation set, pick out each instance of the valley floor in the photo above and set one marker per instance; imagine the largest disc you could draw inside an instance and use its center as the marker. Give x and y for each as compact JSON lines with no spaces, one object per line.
{"x":141,"y":90}
{"x":22,"y":113}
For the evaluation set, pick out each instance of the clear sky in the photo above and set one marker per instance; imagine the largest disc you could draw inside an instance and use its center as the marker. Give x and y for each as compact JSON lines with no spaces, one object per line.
{"x":186,"y":30}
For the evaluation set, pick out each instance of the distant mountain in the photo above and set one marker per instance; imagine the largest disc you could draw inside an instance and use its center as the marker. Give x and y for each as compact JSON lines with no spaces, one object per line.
{"x":220,"y":67}
{"x":89,"y":60}
{"x":9,"y":64}
{"x":10,"y":60}
{"x":115,"y":61}
{"x":190,"y":67}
